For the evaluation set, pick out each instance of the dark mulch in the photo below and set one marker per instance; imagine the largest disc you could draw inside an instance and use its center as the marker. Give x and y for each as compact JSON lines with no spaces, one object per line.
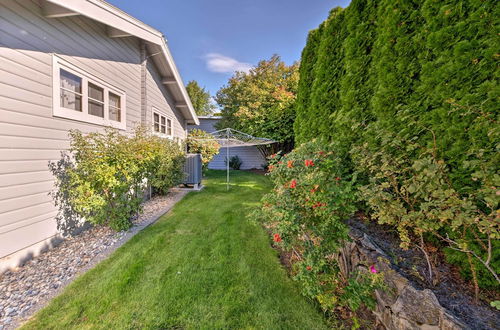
{"x":452,"y":291}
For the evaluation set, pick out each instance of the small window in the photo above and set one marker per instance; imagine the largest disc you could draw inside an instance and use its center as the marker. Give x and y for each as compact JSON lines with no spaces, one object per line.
{"x":114,"y":107}
{"x":71,"y":91}
{"x":169,"y":127}
{"x":96,"y":100}
{"x":162,"y":124}
{"x":156,"y":122}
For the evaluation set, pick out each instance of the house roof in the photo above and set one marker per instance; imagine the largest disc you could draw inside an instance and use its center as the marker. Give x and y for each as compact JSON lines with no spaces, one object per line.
{"x":120,"y":24}
{"x":210,"y":117}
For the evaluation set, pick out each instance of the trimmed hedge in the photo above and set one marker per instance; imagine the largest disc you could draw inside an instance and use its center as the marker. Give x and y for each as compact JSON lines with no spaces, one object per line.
{"x":421,"y":72}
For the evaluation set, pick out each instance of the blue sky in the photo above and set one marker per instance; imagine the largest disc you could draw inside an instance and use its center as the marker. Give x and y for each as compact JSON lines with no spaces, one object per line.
{"x":211,"y":38}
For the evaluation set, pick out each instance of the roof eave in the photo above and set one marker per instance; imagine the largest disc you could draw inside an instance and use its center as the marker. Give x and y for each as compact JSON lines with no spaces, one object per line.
{"x":123,"y":24}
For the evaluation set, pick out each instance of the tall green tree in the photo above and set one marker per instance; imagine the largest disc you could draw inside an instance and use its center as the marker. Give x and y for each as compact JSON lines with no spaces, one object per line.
{"x":262,"y":102}
{"x":200,"y":98}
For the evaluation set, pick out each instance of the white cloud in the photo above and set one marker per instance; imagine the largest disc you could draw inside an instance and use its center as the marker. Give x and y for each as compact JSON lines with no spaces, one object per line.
{"x":224,"y":64}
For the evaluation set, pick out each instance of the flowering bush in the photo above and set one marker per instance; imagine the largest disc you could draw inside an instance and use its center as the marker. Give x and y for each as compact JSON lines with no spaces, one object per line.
{"x":102,"y":177}
{"x":201,"y":142}
{"x":313,"y":197}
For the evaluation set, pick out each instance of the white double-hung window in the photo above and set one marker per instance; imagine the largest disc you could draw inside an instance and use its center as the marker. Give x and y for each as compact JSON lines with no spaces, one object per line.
{"x":80,"y":96}
{"x":162,"y":125}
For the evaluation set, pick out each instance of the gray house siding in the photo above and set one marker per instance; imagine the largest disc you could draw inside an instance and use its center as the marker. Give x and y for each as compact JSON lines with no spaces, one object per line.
{"x":159,"y":98}
{"x":30,"y":136}
{"x":250,"y":156}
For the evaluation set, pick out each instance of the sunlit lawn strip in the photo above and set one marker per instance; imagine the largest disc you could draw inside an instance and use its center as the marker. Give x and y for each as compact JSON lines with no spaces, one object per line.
{"x":204,"y":265}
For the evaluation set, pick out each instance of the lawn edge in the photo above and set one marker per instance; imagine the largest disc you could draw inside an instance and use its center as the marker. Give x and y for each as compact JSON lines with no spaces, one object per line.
{"x":44,"y":302}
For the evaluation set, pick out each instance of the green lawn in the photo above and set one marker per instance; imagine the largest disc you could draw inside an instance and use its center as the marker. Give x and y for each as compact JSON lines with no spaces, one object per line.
{"x":203,"y":266}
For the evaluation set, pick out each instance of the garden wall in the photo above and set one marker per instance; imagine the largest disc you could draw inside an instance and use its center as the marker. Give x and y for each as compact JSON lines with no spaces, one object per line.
{"x":401,"y":306}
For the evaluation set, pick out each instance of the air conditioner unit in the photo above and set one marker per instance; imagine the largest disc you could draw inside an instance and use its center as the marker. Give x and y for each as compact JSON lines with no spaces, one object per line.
{"x":192,"y":168}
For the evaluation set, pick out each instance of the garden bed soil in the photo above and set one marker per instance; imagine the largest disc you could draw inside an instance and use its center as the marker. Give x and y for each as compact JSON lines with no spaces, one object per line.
{"x":27,"y":288}
{"x":451,"y":290}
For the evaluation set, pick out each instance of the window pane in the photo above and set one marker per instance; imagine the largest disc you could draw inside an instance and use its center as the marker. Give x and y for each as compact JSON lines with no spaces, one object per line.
{"x":96,"y":109}
{"x":163,"y":129}
{"x":156,"y":118}
{"x":71,"y":100}
{"x":115,"y":114}
{"x":114,"y":100}
{"x":70,"y":81}
{"x":96,"y":92}
{"x":157,"y":127}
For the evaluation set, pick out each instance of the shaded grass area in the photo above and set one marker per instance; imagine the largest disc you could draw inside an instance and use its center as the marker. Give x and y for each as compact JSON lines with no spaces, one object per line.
{"x":204,"y":265}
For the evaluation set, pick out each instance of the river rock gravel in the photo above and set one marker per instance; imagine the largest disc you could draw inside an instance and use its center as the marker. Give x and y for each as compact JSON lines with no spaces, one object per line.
{"x":27,"y":288}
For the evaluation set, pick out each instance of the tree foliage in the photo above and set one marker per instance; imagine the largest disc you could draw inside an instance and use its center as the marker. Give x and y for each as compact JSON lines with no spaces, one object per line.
{"x":392,"y":82}
{"x":200,"y":98}
{"x":202,"y":142}
{"x":261,"y":102}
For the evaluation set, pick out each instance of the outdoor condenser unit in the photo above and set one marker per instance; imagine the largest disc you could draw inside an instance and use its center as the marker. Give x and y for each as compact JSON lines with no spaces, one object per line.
{"x":192,"y":168}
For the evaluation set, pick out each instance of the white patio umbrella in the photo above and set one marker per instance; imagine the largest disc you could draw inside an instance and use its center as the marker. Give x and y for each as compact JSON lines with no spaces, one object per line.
{"x":230,"y":138}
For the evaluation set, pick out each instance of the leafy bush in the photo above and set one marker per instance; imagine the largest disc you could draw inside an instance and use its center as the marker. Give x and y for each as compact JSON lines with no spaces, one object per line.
{"x":102,"y":177}
{"x":201,"y":142}
{"x":234,"y":162}
{"x":416,"y":197}
{"x":313,"y":196}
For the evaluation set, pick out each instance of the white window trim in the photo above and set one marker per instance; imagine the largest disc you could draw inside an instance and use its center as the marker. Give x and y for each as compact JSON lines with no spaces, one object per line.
{"x":167,"y":118}
{"x":83,"y":116}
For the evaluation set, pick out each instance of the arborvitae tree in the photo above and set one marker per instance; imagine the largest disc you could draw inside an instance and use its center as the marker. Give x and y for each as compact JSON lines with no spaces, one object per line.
{"x":356,"y":87}
{"x":422,"y":71}
{"x":325,"y":94}
{"x":395,"y":66}
{"x":459,"y":81}
{"x":307,"y":76}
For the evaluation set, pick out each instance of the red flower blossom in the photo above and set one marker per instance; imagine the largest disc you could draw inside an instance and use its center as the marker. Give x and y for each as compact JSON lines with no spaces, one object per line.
{"x":277,"y":238}
{"x":318,"y":204}
{"x":309,"y":268}
{"x":373,"y":269}
{"x":314,"y":189}
{"x":280,"y":162}
{"x":308,"y":162}
{"x":272,"y":156}
{"x":337,"y":179}
{"x":293,"y":183}
{"x":290,"y":164}
{"x":271,"y":167}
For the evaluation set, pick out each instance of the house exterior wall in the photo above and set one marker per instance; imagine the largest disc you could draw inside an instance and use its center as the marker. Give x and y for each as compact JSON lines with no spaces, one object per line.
{"x":250,"y":156}
{"x":159,"y":98}
{"x":30,"y":136}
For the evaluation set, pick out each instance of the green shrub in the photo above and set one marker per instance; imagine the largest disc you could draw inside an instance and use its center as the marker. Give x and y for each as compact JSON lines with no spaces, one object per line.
{"x":102,"y":177}
{"x":201,"y":142}
{"x":234,"y":162}
{"x":313,"y":196}
{"x":416,"y":197}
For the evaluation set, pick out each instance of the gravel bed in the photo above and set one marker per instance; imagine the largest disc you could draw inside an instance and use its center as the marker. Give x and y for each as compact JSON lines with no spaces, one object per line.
{"x":26,"y":289}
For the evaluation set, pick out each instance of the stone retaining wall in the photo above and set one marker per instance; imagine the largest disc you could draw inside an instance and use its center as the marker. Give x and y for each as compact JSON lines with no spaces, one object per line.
{"x":401,"y":306}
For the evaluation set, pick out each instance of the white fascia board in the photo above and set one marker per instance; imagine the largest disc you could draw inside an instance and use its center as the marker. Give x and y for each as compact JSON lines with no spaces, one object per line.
{"x":109,"y":15}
